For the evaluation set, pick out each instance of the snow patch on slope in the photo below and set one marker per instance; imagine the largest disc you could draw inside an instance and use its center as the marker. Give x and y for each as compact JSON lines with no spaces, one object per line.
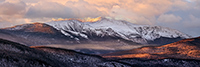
{"x":116,"y":28}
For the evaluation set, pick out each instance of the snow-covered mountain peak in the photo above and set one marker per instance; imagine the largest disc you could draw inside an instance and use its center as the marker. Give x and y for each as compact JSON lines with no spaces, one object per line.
{"x":115,"y":28}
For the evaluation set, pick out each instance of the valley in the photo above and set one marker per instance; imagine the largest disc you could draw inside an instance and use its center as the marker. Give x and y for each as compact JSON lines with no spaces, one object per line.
{"x":98,"y":47}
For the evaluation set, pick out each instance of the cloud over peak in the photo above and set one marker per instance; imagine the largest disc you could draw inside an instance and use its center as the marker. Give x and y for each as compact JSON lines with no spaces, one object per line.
{"x":152,"y":12}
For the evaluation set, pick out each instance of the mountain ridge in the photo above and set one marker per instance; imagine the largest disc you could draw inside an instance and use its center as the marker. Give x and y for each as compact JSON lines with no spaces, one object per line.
{"x":101,"y":30}
{"x":183,"y":49}
{"x":115,"y":28}
{"x":104,"y":33}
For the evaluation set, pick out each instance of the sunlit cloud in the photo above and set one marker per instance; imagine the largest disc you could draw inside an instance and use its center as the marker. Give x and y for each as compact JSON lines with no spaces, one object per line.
{"x":88,"y":19}
{"x":176,"y":14}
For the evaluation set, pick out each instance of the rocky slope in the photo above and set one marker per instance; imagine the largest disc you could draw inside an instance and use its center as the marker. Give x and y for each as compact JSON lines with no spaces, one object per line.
{"x":184,"y":49}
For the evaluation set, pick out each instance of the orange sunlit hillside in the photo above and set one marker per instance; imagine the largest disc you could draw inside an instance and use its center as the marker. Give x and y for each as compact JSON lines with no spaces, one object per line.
{"x":184,"y":49}
{"x":35,"y":27}
{"x":89,"y":19}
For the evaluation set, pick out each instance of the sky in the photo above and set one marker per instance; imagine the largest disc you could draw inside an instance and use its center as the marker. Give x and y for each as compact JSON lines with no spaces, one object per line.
{"x":182,"y":15}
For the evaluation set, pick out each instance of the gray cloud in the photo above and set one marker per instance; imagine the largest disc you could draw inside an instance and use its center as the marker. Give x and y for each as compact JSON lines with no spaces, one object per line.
{"x":192,"y":21}
{"x":8,"y":8}
{"x":71,"y":9}
{"x":11,"y":12}
{"x":49,"y":10}
{"x":2,"y":0}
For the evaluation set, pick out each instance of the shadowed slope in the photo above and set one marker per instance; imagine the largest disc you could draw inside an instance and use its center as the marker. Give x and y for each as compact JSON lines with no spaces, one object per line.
{"x":16,"y":55}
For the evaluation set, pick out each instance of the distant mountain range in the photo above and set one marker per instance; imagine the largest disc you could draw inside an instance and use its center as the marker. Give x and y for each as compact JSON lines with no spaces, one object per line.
{"x":98,"y":37}
{"x":74,"y":31}
{"x":117,"y":29}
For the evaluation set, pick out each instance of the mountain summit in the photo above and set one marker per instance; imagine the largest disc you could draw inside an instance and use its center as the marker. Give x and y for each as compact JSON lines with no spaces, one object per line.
{"x":117,"y":29}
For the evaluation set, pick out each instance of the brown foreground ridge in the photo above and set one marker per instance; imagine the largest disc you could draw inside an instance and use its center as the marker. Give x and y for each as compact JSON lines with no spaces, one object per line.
{"x":184,"y":49}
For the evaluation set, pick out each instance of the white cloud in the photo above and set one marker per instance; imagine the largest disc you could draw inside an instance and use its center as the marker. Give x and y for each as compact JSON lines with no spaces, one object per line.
{"x":192,"y":21}
{"x":169,"y":18}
